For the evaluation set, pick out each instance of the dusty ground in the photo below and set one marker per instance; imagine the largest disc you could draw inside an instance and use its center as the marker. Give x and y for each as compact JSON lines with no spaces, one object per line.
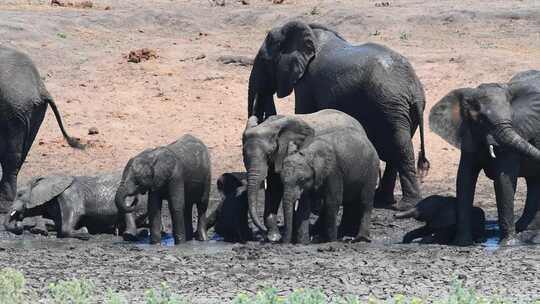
{"x":82,"y":54}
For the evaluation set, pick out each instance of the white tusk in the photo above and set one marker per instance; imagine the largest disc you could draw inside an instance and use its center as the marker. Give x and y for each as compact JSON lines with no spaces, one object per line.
{"x":491,"y":151}
{"x":296,"y":205}
{"x":264,"y":184}
{"x":12,"y":213}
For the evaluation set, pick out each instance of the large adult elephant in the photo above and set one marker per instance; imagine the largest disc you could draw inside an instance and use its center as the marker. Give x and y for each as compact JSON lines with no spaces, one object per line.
{"x":370,"y":82}
{"x":497,"y":128}
{"x":23,"y":102}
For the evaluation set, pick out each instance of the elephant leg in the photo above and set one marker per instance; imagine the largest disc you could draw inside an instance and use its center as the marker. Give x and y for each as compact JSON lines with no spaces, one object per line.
{"x":154,"y":216}
{"x":531,"y":204}
{"x":188,"y":220}
{"x":11,"y":162}
{"x":202,"y":221}
{"x":384,"y":196}
{"x":416,"y":233}
{"x":346,"y":228}
{"x":273,"y":196}
{"x":507,"y":168}
{"x":366,"y":207}
{"x":404,"y":162}
{"x":69,"y":220}
{"x":301,"y":221}
{"x":130,"y":233}
{"x":177,"y":207}
{"x":40,"y":226}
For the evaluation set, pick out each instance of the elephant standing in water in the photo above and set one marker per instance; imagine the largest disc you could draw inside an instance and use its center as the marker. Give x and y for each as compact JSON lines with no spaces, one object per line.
{"x":178,"y":173}
{"x":264,"y":146}
{"x":497,"y":128}
{"x":23,"y":103}
{"x":370,"y":82}
{"x":77,"y":205}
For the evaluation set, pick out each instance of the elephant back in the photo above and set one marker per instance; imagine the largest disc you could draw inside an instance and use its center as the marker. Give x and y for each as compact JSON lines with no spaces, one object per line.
{"x":44,"y":189}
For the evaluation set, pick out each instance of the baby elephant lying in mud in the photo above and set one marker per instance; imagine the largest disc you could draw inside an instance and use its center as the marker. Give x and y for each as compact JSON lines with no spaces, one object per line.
{"x":230,"y":216}
{"x":78,"y":205}
{"x":439,"y":214}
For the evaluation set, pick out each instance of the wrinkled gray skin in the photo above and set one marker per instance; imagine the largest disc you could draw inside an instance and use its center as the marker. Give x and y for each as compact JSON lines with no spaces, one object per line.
{"x":439,"y":215}
{"x":339,"y":167}
{"x":178,"y":173}
{"x":76,"y":204}
{"x":264,"y":148}
{"x":230,"y":216}
{"x":497,"y":128}
{"x":370,"y":82}
{"x":23,"y":102}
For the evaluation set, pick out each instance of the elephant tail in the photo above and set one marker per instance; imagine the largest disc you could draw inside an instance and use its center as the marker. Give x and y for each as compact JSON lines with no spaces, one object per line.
{"x":423,"y":163}
{"x":72,"y":141}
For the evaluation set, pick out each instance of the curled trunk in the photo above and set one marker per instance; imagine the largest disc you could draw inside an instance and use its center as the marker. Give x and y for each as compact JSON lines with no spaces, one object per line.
{"x":255,"y":178}
{"x":120,"y":200}
{"x":507,"y":136}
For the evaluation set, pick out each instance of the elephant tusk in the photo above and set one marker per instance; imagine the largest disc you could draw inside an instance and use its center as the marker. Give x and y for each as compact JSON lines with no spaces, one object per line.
{"x":265,"y":184}
{"x":296,"y":205}
{"x":13,"y":213}
{"x":491,"y":151}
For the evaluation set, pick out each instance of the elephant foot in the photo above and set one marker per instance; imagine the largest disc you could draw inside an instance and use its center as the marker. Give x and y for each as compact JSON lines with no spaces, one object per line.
{"x":201,"y":235}
{"x":462,"y":241}
{"x":273,"y":236}
{"x":383,"y":201}
{"x":130,"y":236}
{"x":41,"y":230}
{"x":510,"y":240}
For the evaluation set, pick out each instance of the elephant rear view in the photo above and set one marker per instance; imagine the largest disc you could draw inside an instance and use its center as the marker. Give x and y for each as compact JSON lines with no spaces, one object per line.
{"x":178,"y":173}
{"x":23,"y":103}
{"x":372,"y":83}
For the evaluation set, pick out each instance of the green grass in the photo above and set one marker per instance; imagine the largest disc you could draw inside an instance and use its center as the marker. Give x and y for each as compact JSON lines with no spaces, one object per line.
{"x":75,"y":291}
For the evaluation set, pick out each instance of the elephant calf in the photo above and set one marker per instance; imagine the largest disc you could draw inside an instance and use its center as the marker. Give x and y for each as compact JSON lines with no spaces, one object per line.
{"x":230,"y":217}
{"x":338,"y":167}
{"x":76,"y":204}
{"x":439,"y":214}
{"x":178,"y":173}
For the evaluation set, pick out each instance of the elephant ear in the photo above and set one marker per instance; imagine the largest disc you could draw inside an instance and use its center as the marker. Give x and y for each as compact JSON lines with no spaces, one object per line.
{"x":445,"y":117}
{"x":320,"y":165}
{"x":164,"y":161}
{"x":44,"y":189}
{"x":297,"y":49}
{"x":291,"y":130}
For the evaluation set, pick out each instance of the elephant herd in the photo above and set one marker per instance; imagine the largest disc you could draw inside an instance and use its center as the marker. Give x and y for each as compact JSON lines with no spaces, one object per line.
{"x":354,"y":106}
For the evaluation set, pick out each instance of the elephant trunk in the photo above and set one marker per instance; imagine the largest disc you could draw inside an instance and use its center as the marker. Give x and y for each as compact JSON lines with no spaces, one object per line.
{"x":507,"y":136}
{"x":289,"y":200}
{"x":255,"y":178}
{"x":11,"y":224}
{"x":260,"y":91}
{"x":413,"y":212}
{"x":120,"y":200}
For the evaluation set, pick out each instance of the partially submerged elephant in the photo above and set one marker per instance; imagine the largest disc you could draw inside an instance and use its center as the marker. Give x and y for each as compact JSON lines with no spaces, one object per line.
{"x":439,"y":215}
{"x":372,"y":83}
{"x":339,"y":167}
{"x":23,"y":103}
{"x":230,"y":216}
{"x":179,"y":173}
{"x":77,"y":205}
{"x":497,"y":128}
{"x":264,"y":146}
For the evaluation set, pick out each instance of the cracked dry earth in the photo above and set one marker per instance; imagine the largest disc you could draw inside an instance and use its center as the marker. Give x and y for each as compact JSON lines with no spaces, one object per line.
{"x":82,"y":55}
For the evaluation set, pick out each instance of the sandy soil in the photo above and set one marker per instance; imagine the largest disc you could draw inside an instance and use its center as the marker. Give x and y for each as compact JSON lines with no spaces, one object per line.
{"x":82,"y":54}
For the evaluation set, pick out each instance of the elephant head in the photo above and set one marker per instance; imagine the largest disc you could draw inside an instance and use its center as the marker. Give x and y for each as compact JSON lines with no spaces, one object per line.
{"x":30,"y":199}
{"x":265,"y":145}
{"x":302,"y":170}
{"x":470,"y":117}
{"x":148,"y":171}
{"x":281,"y":61}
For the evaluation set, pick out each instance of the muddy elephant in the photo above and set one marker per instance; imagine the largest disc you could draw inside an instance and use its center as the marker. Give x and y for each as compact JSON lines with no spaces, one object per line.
{"x":339,"y":167}
{"x":230,"y":217}
{"x":78,"y":205}
{"x":178,"y":173}
{"x":372,"y":83}
{"x":23,"y":103}
{"x":497,"y":128}
{"x":264,"y":148}
{"x":439,"y":215}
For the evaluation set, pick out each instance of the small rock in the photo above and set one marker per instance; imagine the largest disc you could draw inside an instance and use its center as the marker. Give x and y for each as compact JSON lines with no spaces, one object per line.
{"x":201,"y":56}
{"x":245,"y":2}
{"x":93,"y":131}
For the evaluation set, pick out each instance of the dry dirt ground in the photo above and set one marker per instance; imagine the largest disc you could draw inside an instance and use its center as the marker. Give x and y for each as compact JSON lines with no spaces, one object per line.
{"x":82,"y":55}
